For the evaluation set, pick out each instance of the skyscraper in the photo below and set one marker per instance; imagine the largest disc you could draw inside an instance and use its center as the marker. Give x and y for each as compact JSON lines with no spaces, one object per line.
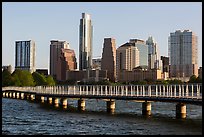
{"x":85,"y":42}
{"x":25,"y":55}
{"x":108,"y":61}
{"x":183,"y":54}
{"x":143,"y":49}
{"x":154,"y":61}
{"x":127,"y":57}
{"x":61,"y":59}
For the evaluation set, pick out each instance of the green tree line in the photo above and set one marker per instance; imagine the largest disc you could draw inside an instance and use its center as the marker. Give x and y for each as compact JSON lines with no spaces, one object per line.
{"x":25,"y":78}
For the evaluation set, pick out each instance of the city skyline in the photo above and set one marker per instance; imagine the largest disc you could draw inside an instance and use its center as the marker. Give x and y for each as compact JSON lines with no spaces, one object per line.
{"x":17,"y":17}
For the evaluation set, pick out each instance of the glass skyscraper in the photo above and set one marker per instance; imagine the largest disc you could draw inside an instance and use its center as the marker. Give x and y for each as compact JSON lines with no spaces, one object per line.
{"x":25,"y":55}
{"x":85,"y":42}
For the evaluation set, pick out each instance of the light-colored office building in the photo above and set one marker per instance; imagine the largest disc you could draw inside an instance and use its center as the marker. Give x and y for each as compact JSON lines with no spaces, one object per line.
{"x":143,"y":49}
{"x":85,"y":42}
{"x":25,"y":55}
{"x":61,"y":59}
{"x":154,"y":61}
{"x":183,"y":54}
{"x":108,"y":61}
{"x":127,"y":57}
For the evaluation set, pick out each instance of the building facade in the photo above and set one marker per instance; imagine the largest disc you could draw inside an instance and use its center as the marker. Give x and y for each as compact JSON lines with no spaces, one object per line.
{"x":42,"y":71}
{"x":127,"y":58}
{"x":96,"y":63}
{"x":200,"y":72}
{"x":143,"y":49}
{"x":86,"y":75}
{"x":183,"y":54}
{"x":108,"y":61}
{"x":140,"y":75}
{"x":61,"y":59}
{"x":154,"y":61}
{"x":25,"y":55}
{"x":165,"y":64}
{"x":85,"y":42}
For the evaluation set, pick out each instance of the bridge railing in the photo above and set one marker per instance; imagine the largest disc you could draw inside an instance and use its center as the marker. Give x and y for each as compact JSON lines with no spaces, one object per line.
{"x":173,"y":91}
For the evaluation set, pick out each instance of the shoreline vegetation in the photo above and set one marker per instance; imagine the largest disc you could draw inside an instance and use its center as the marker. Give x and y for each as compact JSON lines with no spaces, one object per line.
{"x":23,"y":78}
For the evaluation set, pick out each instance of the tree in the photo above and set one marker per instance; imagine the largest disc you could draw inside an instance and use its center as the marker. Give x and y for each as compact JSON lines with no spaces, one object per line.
{"x":192,"y":79}
{"x":16,"y":80}
{"x":198,"y":80}
{"x":174,"y":81}
{"x":50,"y":80}
{"x":24,"y":76}
{"x":7,"y":79}
{"x":39,"y":79}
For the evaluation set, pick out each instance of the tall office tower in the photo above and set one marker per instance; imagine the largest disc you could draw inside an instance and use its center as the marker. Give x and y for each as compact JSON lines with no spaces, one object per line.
{"x":154,"y":61}
{"x":85,"y":42}
{"x":25,"y":55}
{"x":143,"y":49}
{"x":61,"y":59}
{"x":127,"y":57}
{"x":183,"y":54}
{"x":108,"y":61}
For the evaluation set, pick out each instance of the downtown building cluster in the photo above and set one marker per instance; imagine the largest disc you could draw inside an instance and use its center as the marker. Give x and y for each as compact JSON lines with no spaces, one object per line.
{"x":135,"y":60}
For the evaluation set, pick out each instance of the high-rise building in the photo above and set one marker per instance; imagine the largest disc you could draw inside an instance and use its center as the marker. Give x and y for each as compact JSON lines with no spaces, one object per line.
{"x":143,"y":49}
{"x":25,"y":55}
{"x":61,"y":59}
{"x":127,"y":57}
{"x":108,"y":61}
{"x":85,"y":42}
{"x":183,"y":54}
{"x":154,"y":61}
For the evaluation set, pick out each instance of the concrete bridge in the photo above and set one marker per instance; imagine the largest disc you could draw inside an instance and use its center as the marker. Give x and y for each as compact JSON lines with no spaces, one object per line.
{"x":58,"y":95}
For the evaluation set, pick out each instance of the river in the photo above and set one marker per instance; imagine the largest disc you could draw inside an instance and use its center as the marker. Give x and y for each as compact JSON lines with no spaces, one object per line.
{"x":22,"y":117}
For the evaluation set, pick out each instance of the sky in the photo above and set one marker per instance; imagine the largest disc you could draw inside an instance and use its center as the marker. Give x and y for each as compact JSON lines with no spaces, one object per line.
{"x":46,"y":21}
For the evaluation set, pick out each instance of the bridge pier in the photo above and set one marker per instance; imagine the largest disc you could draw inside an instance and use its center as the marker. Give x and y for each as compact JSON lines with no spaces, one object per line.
{"x":146,"y":108}
{"x":63,"y":102}
{"x":81,"y":104}
{"x":181,"y":110}
{"x":32,"y":97}
{"x":27,"y":96}
{"x":110,"y":106}
{"x":14,"y":94}
{"x":4,"y":94}
{"x":49,"y":100}
{"x":42,"y":98}
{"x":22,"y":95}
{"x":55,"y":102}
{"x":7,"y":94}
{"x":10,"y":95}
{"x":17,"y":95}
